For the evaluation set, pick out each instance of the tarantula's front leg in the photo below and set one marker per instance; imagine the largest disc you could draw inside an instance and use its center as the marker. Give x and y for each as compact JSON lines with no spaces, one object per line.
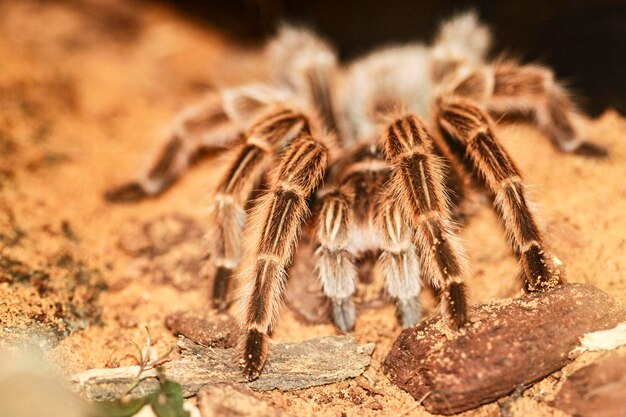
{"x":279,"y":216}
{"x":468,"y":131}
{"x":399,"y":263}
{"x":334,"y":260}
{"x":251,"y":159}
{"x":202,"y":127}
{"x":417,"y":183}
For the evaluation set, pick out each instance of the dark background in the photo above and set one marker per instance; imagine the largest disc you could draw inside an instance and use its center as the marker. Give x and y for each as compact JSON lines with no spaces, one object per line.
{"x":584,"y":41}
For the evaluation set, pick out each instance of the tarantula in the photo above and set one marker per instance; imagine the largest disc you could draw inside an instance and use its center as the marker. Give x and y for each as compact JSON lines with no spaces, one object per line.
{"x":386,"y":147}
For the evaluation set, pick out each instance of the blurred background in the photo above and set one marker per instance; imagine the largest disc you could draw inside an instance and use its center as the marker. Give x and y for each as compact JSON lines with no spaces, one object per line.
{"x":584,"y":41}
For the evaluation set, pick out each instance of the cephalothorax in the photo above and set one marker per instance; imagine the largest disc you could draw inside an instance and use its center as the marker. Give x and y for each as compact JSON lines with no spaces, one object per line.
{"x":386,"y":148}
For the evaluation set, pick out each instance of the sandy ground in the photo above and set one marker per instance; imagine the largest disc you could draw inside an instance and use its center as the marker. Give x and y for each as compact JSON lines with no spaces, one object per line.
{"x":86,"y":89}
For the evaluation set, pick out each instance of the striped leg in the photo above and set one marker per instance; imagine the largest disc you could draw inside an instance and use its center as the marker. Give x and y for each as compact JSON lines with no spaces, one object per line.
{"x":279,"y":216}
{"x":250,"y":162}
{"x":417,"y":185}
{"x":334,"y":259}
{"x":215,"y":124}
{"x":308,"y":64}
{"x":532,"y":89}
{"x":468,"y":130}
{"x":206,"y":126}
{"x":399,"y":263}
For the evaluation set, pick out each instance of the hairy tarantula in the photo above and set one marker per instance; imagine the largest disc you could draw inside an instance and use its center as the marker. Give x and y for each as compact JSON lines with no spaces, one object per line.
{"x":386,"y":148}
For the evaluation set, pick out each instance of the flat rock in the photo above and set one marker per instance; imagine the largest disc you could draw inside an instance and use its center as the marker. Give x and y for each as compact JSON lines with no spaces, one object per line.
{"x":290,"y":366}
{"x":507,"y":344}
{"x":596,"y":390}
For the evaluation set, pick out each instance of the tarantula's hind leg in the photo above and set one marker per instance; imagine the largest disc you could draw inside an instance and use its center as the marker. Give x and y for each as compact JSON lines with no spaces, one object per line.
{"x":334,"y":261}
{"x":173,"y":159}
{"x":399,"y":263}
{"x":278,"y":219}
{"x":417,"y":185}
{"x":199,"y":128}
{"x":468,"y":132}
{"x":532,"y":89}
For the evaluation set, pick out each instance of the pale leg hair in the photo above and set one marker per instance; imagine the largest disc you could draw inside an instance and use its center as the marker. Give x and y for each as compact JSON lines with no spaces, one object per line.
{"x":335,"y":261}
{"x":399,"y":262}
{"x":508,"y":89}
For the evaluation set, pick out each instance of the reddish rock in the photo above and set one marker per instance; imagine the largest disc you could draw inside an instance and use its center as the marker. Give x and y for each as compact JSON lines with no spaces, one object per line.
{"x":507,"y":344}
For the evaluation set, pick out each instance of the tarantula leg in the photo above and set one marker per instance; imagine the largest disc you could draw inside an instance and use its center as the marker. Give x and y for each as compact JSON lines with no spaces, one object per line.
{"x":173,"y":159}
{"x":417,"y":183}
{"x":221,"y":285}
{"x":203,"y":127}
{"x":523,"y":89}
{"x":279,"y":217}
{"x":250,"y":162}
{"x":399,"y":263}
{"x":344,"y":313}
{"x":335,"y":265}
{"x":467,"y":129}
{"x":308,"y":64}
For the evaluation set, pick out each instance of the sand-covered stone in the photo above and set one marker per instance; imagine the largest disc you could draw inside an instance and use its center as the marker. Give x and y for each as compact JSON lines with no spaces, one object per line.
{"x":507,"y":344}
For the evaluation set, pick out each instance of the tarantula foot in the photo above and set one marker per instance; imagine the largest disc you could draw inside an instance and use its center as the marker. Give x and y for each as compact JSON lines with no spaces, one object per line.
{"x":455,"y":304}
{"x":409,"y":311}
{"x":540,"y":271}
{"x":220,"y":289}
{"x":344,"y":314}
{"x":126,"y":193}
{"x":254,"y":354}
{"x":592,"y":150}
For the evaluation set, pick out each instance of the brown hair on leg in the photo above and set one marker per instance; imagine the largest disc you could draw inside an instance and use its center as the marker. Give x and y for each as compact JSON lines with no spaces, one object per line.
{"x":250,"y":161}
{"x":278,"y":219}
{"x":198,"y":128}
{"x":464,"y":125}
{"x":417,"y":183}
{"x":520,"y":90}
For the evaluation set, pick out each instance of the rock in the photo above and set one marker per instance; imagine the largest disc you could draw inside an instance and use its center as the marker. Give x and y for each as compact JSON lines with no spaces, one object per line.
{"x":230,"y":400}
{"x":290,"y":366}
{"x":507,"y":344}
{"x":204,"y":328}
{"x":597,"y":390}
